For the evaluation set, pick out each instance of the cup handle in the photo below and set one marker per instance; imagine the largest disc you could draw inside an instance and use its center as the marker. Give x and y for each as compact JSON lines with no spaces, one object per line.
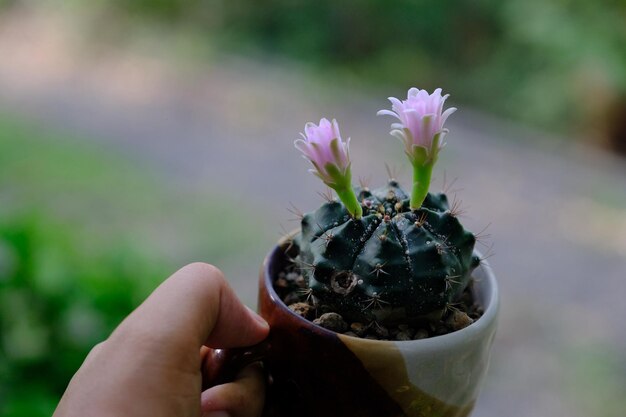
{"x":222,"y":365}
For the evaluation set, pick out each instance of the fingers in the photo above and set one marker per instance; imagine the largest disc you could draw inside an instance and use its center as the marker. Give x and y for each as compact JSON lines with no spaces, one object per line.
{"x":151,"y":364}
{"x":242,"y":398}
{"x":193,"y":307}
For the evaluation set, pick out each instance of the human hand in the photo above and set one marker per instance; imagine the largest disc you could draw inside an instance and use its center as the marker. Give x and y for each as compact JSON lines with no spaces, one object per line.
{"x":151,"y":364}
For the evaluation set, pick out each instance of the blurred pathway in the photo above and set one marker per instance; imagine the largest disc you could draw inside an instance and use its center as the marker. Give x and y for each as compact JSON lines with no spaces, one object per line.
{"x":557,"y":211}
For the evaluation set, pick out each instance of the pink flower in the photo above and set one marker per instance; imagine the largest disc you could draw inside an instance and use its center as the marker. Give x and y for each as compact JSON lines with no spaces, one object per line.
{"x":421,"y":119}
{"x":323,"y":147}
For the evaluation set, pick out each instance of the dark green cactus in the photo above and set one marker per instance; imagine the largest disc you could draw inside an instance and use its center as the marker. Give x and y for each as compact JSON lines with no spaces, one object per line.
{"x":393,"y":263}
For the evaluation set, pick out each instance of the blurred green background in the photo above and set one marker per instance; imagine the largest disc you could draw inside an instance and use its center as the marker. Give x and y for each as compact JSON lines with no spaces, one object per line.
{"x":557,"y":64}
{"x":137,"y":136}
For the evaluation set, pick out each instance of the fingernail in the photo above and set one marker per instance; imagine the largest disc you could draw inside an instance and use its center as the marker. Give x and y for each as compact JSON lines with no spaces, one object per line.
{"x":216,"y":414}
{"x":258,"y":318}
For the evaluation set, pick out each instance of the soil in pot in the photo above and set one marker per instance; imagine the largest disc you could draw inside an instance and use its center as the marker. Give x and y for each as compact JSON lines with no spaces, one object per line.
{"x":291,"y":287}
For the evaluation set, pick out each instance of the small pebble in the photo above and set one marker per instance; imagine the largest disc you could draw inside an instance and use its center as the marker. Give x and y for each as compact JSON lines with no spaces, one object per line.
{"x":291,"y":298}
{"x":420,"y":334}
{"x":406,"y":329}
{"x":300,"y":281}
{"x":380,"y":331}
{"x":293,"y":276}
{"x":332,"y":321}
{"x":458,"y":320}
{"x":358,"y":328}
{"x":301,"y":309}
{"x":281,"y":283}
{"x":478,"y":309}
{"x":474,"y":315}
{"x":403,"y":336}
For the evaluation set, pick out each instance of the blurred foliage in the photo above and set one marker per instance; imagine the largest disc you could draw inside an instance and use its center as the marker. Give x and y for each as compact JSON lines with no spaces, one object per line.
{"x":56,"y":302}
{"x":63,"y":284}
{"x":85,"y":235}
{"x":559,"y":63}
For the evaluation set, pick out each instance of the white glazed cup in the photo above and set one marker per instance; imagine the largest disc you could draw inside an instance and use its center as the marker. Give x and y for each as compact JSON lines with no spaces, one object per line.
{"x":316,"y":372}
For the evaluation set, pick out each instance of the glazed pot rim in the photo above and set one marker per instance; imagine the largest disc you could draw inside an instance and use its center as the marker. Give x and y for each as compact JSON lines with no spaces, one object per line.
{"x":478,"y":327}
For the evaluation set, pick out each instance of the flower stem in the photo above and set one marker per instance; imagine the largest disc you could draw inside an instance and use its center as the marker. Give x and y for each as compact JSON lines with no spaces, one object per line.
{"x":348,"y":198}
{"x":421,"y":183}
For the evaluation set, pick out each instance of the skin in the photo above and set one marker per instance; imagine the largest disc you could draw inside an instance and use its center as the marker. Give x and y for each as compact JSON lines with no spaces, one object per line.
{"x":151,"y":365}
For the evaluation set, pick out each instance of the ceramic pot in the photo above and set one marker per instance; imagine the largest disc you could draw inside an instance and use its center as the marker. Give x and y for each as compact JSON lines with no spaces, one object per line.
{"x":316,"y":372}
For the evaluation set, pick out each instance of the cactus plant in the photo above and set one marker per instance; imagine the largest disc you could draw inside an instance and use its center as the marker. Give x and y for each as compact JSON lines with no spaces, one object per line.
{"x":383,"y":254}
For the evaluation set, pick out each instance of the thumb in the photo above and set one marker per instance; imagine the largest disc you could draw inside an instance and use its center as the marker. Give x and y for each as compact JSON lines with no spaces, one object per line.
{"x":193,"y":307}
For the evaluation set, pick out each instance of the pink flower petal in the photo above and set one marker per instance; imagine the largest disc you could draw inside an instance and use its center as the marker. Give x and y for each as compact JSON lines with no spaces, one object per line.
{"x":422,"y":114}
{"x":316,"y":145}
